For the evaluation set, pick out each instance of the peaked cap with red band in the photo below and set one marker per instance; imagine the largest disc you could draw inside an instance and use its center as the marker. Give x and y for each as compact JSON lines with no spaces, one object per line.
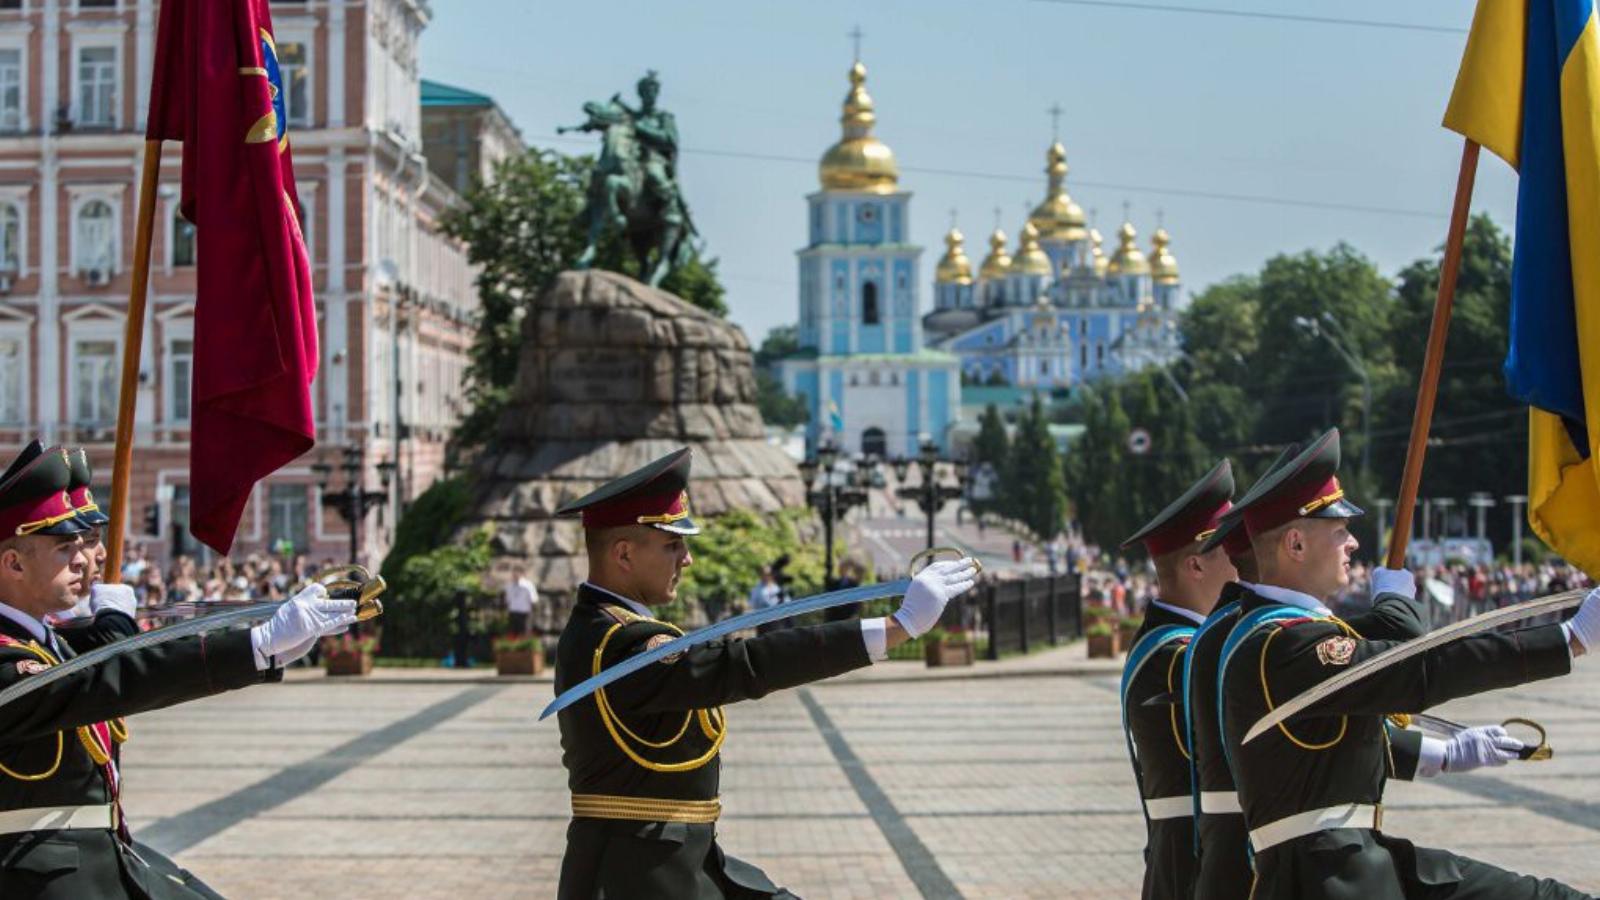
{"x":1192,"y":517}
{"x":1306,"y":487}
{"x":1231,"y":531}
{"x":78,"y":489}
{"x":34,"y":499}
{"x":656,"y":495}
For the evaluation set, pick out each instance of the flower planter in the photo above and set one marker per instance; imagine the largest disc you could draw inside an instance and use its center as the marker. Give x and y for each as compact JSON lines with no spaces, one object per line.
{"x":1125,"y":635}
{"x":948,"y":653}
{"x":1103,"y":646}
{"x":347,"y":662}
{"x":529,"y":661}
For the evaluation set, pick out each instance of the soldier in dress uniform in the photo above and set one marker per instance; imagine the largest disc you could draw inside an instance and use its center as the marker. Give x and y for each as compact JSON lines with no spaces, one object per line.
{"x":62,"y":834}
{"x":1312,"y":789}
{"x":642,"y":755}
{"x":1224,"y":869}
{"x":1189,"y":581}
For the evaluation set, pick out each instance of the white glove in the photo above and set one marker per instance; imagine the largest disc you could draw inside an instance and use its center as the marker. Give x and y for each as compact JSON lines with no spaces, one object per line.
{"x":1485,"y":745}
{"x":1394,"y":581}
{"x":1585,"y":623}
{"x":298,"y":623}
{"x":119,"y":597}
{"x":933,"y":587}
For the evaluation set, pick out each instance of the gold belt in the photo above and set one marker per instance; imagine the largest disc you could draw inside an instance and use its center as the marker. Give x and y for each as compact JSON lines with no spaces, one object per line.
{"x":645,"y":809}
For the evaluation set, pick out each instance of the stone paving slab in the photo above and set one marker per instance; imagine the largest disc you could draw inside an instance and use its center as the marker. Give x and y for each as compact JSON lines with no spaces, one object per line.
{"x":1013,"y":787}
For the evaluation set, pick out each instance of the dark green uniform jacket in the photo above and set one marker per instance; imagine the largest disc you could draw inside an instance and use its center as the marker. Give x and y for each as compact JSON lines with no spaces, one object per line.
{"x":1163,"y":764}
{"x":1279,"y":777}
{"x":620,"y":859}
{"x":1225,"y":872}
{"x":89,"y":864}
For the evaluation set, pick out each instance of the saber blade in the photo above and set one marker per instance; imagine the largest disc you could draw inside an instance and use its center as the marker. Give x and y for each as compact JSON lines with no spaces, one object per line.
{"x":1402,"y":652}
{"x":726,"y":627}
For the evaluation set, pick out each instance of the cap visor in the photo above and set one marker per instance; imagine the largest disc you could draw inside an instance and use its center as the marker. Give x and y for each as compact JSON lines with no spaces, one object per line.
{"x":1224,"y":529}
{"x":65,"y":527}
{"x":1338,"y":509}
{"x":684,"y":525}
{"x":94,"y":519}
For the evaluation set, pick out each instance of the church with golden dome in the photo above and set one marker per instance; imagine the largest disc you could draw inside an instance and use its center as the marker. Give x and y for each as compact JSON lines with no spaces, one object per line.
{"x":1058,"y":311}
{"x":869,"y":381}
{"x":878,"y":376}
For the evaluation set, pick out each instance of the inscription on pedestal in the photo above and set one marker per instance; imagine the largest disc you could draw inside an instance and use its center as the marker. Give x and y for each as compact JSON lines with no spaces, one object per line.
{"x":597,"y":375}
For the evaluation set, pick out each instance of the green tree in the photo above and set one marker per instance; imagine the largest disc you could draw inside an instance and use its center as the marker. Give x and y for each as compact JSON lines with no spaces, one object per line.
{"x":991,"y":447}
{"x":781,"y":342}
{"x":777,"y":406}
{"x":1035,"y":488}
{"x":520,"y":228}
{"x":1097,"y":467}
{"x":1479,"y":435}
{"x":696,"y":281}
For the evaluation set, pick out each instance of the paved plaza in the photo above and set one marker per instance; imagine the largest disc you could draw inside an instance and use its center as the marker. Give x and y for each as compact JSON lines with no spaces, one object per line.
{"x":888,"y":785}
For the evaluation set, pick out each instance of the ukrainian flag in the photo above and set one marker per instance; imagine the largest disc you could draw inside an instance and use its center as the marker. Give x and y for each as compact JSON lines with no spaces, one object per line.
{"x":1529,"y":91}
{"x":834,"y":419}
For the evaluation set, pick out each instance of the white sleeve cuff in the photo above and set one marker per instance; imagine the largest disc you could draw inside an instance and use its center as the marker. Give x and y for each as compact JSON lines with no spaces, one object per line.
{"x":1430,"y":761}
{"x":875,"y":634}
{"x":263,"y":662}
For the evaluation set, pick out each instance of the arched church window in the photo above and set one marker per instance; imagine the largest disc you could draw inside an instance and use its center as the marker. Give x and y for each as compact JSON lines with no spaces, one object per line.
{"x":869,"y":303}
{"x":872,"y":378}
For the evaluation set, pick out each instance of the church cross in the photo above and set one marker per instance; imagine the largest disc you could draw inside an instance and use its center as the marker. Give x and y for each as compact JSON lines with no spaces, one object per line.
{"x":1055,"y":121}
{"x":855,"y":38}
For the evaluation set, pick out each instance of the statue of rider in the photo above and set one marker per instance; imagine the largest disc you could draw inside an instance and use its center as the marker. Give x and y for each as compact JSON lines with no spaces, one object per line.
{"x":657,"y":131}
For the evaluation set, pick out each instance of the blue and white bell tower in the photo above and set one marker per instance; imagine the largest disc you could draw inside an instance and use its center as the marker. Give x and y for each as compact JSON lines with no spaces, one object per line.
{"x":869,"y":383}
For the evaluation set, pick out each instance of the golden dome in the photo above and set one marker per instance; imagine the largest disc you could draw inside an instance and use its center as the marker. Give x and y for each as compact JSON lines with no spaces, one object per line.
{"x":1098,"y":255}
{"x":1163,"y":265}
{"x":1057,"y":217}
{"x":1030,"y":260}
{"x":859,"y":162}
{"x":954,"y":267}
{"x":998,"y":262}
{"x":1128,"y":260}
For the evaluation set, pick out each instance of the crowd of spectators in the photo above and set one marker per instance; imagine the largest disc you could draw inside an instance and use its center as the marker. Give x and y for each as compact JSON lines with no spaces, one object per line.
{"x":255,"y":577}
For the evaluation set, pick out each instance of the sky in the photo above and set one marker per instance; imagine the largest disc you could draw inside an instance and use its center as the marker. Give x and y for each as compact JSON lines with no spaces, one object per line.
{"x":1247,"y":135}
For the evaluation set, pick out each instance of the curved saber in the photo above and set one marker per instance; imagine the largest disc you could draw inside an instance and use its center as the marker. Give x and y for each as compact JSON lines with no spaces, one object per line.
{"x":711,"y":632}
{"x":368,"y":607}
{"x":1401,"y":652}
{"x":253,"y":613}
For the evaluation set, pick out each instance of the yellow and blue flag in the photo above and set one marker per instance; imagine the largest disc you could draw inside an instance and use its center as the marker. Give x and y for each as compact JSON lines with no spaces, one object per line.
{"x":834,"y":419}
{"x":1529,"y":91}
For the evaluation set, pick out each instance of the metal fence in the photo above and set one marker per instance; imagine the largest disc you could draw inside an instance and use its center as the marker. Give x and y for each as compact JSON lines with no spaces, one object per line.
{"x":1018,"y":615}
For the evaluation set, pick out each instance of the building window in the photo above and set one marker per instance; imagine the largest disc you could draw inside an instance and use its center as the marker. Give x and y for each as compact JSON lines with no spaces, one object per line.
{"x":96,"y":239}
{"x":873,"y":378}
{"x":180,"y":365}
{"x":1083,"y":356}
{"x":182,"y":240}
{"x":869,"y":303}
{"x":288,"y":515}
{"x":10,"y":240}
{"x":94,"y":382}
{"x":13,"y":357}
{"x":10,"y":90}
{"x":97,"y":4}
{"x":296,"y":83}
{"x":1100,"y":354}
{"x":10,"y":4}
{"x":1044,"y":368}
{"x":97,"y":87}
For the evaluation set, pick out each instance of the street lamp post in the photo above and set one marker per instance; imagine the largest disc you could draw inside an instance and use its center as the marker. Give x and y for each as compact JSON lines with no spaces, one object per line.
{"x":1481,"y":502}
{"x":829,"y":498}
{"x":1516,"y":501}
{"x":1314,"y":326}
{"x":354,"y":500}
{"x":930,"y":495}
{"x":1444,"y":505}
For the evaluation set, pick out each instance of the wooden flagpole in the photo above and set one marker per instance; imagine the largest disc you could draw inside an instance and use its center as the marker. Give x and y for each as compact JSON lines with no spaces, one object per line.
{"x":132,"y":347}
{"x":1433,"y":362}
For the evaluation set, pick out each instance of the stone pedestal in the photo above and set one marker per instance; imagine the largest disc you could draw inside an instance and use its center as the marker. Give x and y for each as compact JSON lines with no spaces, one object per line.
{"x":614,"y":374}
